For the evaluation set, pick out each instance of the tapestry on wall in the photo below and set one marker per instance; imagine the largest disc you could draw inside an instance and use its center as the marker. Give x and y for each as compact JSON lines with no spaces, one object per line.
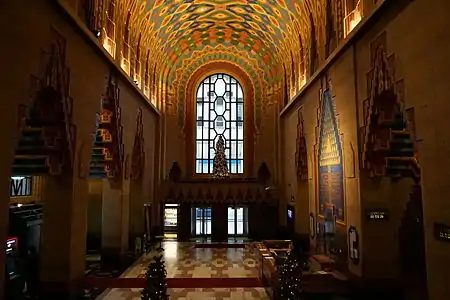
{"x":331,"y":177}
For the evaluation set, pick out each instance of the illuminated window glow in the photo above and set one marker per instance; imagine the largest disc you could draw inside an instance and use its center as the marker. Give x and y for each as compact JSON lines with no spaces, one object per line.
{"x":220,"y":111}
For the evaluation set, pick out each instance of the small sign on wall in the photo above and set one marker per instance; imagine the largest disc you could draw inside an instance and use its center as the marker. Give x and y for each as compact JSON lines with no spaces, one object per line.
{"x":377,"y":215}
{"x":442,"y":232}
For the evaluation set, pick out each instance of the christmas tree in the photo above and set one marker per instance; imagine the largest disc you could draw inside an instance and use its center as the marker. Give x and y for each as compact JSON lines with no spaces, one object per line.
{"x":289,"y":271}
{"x":220,"y":168}
{"x":155,"y":281}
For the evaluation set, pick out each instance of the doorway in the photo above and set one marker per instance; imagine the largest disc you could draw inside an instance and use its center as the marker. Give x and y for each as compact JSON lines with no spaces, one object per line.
{"x":171,"y":220}
{"x":201,"y":221}
{"x":237,"y":221}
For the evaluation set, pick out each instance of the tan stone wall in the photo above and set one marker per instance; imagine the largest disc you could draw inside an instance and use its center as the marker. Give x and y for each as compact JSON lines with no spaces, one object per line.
{"x":89,"y":71}
{"x":415,"y":33}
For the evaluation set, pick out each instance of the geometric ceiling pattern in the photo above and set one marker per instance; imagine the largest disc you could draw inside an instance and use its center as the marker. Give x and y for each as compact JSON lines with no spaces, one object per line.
{"x":262,"y":29}
{"x":260,"y":36}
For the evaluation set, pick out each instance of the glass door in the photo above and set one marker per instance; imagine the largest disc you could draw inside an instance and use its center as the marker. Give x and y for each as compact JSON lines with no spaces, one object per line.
{"x":237,"y":221}
{"x":202,"y":219}
{"x":171,"y":221}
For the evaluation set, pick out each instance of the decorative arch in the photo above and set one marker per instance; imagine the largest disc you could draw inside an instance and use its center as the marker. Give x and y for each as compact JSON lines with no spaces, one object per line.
{"x":190,"y":112}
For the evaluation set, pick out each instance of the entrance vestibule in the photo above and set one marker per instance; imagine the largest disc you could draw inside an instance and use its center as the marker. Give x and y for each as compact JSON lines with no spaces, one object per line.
{"x":237,"y":221}
{"x":201,"y":225}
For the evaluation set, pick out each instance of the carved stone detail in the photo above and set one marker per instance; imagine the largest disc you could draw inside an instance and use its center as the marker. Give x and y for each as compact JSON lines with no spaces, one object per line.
{"x":138,"y":158}
{"x":301,"y":156}
{"x":217,"y":192}
{"x":388,"y":147}
{"x":111,"y":125}
{"x":46,"y":126}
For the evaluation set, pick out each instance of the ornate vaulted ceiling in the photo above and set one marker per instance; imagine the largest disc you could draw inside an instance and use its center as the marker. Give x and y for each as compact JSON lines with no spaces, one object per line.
{"x":261,"y":32}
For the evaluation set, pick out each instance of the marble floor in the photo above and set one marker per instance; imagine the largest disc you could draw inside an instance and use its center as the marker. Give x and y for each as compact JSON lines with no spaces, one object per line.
{"x":195,"y":294}
{"x":184,"y":260}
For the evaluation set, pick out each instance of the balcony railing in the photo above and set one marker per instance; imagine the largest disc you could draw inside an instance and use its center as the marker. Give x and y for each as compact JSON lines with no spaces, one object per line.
{"x":302,"y":80}
{"x":353,"y":18}
{"x":147,"y":91}
{"x":137,"y":80}
{"x":109,"y":32}
{"x":109,"y":45}
{"x":125,"y":65}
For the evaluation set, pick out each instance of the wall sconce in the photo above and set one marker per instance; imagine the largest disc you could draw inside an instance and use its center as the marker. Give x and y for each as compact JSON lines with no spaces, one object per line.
{"x":96,"y":32}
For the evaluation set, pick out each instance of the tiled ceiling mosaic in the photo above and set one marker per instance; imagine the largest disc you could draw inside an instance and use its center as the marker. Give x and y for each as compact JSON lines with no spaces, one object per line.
{"x":261,"y":30}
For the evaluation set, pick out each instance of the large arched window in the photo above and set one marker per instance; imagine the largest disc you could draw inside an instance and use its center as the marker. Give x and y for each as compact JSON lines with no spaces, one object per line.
{"x":220,"y":112}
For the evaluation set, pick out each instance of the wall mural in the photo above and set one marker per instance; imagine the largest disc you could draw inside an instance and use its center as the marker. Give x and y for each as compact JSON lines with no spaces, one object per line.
{"x":331,"y":177}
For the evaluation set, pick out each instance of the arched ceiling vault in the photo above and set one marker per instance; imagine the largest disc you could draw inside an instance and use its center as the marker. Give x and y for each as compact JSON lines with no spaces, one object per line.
{"x":259,"y":35}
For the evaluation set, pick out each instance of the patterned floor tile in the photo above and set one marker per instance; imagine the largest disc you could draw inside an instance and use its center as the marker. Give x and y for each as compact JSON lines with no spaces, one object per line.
{"x":183,"y":260}
{"x":195,"y":294}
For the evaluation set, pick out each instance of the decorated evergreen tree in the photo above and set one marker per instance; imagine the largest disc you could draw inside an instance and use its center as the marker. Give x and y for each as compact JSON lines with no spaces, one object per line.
{"x":155,"y":281}
{"x":220,"y":168}
{"x":289,"y":271}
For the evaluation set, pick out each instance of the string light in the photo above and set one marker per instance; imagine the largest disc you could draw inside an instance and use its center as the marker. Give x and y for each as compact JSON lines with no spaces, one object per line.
{"x":155,"y":283}
{"x":220,"y":168}
{"x":289,"y":277}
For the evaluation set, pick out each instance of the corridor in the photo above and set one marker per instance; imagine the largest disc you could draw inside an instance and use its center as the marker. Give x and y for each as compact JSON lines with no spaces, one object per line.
{"x":195,"y":270}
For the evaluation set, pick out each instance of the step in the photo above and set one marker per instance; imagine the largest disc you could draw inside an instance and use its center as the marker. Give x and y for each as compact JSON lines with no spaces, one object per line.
{"x":98,"y":167}
{"x":28,"y":170}
{"x":97,"y":150}
{"x":98,"y":160}
{"x":30,"y":159}
{"x":95,"y":175}
{"x":401,"y":153}
{"x":30,"y":151}
{"x":98,"y":139}
{"x":30,"y":130}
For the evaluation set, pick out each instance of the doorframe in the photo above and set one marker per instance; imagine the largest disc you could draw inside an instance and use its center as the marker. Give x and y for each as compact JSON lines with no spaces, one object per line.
{"x":245,"y":221}
{"x":171,"y":206}
{"x":203,"y":219}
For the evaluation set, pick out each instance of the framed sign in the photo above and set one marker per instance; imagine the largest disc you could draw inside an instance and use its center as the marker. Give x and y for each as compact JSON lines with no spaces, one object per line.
{"x":312,"y":226}
{"x":442,"y":232}
{"x":353,"y":247}
{"x":377,"y":215}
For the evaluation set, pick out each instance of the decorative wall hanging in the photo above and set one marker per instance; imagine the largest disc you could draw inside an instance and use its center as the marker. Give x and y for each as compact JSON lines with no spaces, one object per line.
{"x":353,"y":246}
{"x":107,"y":150}
{"x":388,"y":144}
{"x":46,"y":126}
{"x":111,"y":121}
{"x":301,"y":156}
{"x":330,"y":165}
{"x":138,"y":156}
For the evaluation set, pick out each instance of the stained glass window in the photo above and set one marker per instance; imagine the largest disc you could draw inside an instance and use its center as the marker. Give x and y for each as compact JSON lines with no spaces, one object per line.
{"x":220,"y":111}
